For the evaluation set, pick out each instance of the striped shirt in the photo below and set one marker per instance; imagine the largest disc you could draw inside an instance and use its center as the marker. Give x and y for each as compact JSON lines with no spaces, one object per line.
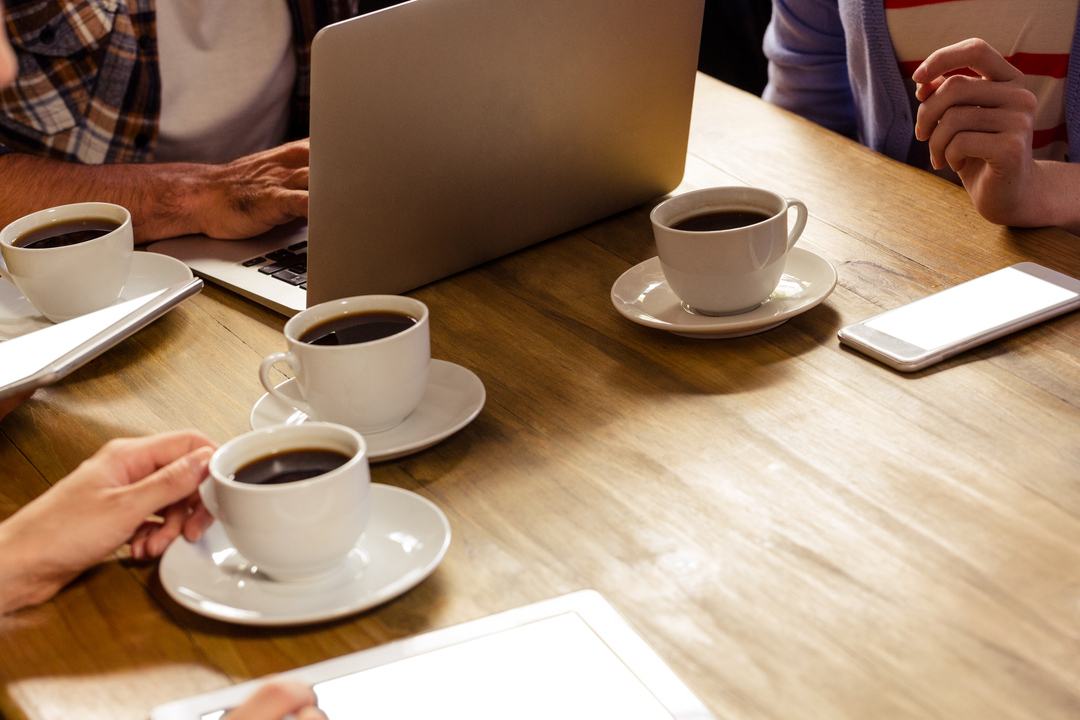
{"x":89,"y":89}
{"x":1035,"y":36}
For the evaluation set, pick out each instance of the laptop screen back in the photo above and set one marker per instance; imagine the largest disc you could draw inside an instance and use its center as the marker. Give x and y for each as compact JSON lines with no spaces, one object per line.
{"x":445,"y":133}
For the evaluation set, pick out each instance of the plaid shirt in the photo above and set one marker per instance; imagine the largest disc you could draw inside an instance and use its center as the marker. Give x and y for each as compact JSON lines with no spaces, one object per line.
{"x":89,"y":89}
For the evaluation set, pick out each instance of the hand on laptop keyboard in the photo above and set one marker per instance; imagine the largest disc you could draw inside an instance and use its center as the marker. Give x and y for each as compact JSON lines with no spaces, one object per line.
{"x":253,"y":194}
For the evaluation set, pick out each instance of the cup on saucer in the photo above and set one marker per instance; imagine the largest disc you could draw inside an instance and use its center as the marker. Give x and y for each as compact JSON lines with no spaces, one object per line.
{"x":361,"y":362}
{"x":69,"y":260}
{"x":293,"y":500}
{"x":723,"y":249}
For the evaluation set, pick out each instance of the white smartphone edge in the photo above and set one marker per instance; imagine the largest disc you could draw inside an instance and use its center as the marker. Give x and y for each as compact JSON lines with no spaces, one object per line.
{"x":55,"y":370}
{"x":906,"y":357}
{"x":613,"y":629}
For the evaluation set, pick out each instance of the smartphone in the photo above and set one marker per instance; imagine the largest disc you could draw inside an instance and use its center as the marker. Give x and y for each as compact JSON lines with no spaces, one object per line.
{"x":923,"y":332}
{"x":44,"y":356}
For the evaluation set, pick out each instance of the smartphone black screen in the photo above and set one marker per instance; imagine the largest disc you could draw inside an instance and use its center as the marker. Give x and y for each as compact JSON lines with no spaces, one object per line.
{"x":970,"y":308}
{"x":28,"y":354}
{"x":555,"y":668}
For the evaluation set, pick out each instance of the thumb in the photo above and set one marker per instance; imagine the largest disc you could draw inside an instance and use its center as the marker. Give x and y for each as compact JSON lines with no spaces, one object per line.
{"x":172,"y":483}
{"x":274,"y":700}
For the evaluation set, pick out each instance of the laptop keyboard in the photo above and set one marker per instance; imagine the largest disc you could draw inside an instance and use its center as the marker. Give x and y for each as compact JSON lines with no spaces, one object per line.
{"x":287,"y":264}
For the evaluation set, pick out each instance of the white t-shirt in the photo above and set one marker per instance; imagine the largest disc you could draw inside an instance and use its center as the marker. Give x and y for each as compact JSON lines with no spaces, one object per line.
{"x":227,"y":75}
{"x":1034,"y":35}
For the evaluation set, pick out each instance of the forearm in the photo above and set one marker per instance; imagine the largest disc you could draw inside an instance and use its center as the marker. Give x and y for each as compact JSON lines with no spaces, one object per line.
{"x":1055,"y":197}
{"x":20,"y":585}
{"x":164,"y":200}
{"x":238,"y":199}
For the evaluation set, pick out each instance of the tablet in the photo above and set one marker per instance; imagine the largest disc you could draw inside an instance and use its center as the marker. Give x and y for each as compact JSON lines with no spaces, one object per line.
{"x":572,"y":657}
{"x":43,"y":356}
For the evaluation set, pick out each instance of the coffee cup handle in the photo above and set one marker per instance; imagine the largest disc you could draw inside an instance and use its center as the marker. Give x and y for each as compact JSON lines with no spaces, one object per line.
{"x":4,"y":272}
{"x":800,"y":222}
{"x":264,"y":375}
{"x":208,"y":497}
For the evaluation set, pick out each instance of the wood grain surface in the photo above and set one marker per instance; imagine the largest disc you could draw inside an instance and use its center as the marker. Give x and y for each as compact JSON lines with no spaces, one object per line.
{"x":799,"y":532}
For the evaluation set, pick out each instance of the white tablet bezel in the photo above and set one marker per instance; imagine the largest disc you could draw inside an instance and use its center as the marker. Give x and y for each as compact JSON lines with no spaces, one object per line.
{"x":589,"y":605}
{"x":58,"y":364}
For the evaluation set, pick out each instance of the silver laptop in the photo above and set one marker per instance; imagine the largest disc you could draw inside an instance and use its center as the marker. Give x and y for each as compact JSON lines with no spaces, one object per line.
{"x":446,"y":133}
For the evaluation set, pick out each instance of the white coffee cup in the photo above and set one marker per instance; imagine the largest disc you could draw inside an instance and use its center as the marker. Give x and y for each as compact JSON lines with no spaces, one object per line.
{"x":725,"y":272}
{"x":294,"y":531}
{"x":369,"y":386}
{"x":66,"y":282}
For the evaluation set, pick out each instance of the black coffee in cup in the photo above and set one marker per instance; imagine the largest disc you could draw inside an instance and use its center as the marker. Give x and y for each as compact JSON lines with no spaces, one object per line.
{"x":290,"y":466}
{"x":62,"y":234}
{"x":720,"y":220}
{"x":358,"y":327}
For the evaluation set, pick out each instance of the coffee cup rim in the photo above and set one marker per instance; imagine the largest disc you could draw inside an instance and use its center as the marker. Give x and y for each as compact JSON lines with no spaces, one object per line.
{"x":302,"y":321}
{"x":694,"y":205}
{"x":263,"y":441}
{"x":63,"y":213}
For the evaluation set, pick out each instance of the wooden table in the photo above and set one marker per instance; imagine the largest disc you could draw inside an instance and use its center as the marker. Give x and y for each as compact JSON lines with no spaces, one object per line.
{"x":798,"y":531}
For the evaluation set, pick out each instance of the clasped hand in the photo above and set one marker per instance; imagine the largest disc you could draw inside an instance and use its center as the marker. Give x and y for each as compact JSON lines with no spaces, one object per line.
{"x":982,"y":128}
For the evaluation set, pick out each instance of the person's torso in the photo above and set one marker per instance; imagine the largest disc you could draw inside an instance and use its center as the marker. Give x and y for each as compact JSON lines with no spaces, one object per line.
{"x":89,"y":89}
{"x":1035,"y":36}
{"x":227,"y":74}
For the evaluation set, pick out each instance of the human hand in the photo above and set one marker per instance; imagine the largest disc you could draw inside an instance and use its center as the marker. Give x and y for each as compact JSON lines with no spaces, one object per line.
{"x":982,"y":128}
{"x":275,"y":700}
{"x":8,"y":64}
{"x":253,"y":194}
{"x":100,"y":506}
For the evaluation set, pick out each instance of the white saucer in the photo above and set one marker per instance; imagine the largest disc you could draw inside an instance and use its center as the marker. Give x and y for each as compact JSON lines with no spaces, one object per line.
{"x":149,"y":273}
{"x":406,"y":539}
{"x":454,"y":397}
{"x":642,"y":295}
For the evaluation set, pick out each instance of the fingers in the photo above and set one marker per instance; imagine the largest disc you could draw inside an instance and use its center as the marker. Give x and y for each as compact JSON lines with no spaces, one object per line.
{"x":197,"y":524}
{"x":296,"y":154}
{"x":139,"y":457}
{"x":293,"y":154}
{"x":982,"y":146}
{"x":996,"y":107}
{"x":138,"y":540}
{"x":294,"y":203}
{"x":173,"y":483}
{"x":275,"y":700}
{"x":298,"y":179}
{"x":1000,"y":136}
{"x":971,"y":94}
{"x":176,"y":519}
{"x":973,"y":54}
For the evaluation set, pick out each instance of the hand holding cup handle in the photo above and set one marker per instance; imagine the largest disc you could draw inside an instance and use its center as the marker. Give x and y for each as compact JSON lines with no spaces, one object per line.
{"x":300,"y":526}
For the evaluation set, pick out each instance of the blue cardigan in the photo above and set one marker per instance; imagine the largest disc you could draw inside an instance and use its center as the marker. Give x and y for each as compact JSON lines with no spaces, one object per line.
{"x":832,"y":61}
